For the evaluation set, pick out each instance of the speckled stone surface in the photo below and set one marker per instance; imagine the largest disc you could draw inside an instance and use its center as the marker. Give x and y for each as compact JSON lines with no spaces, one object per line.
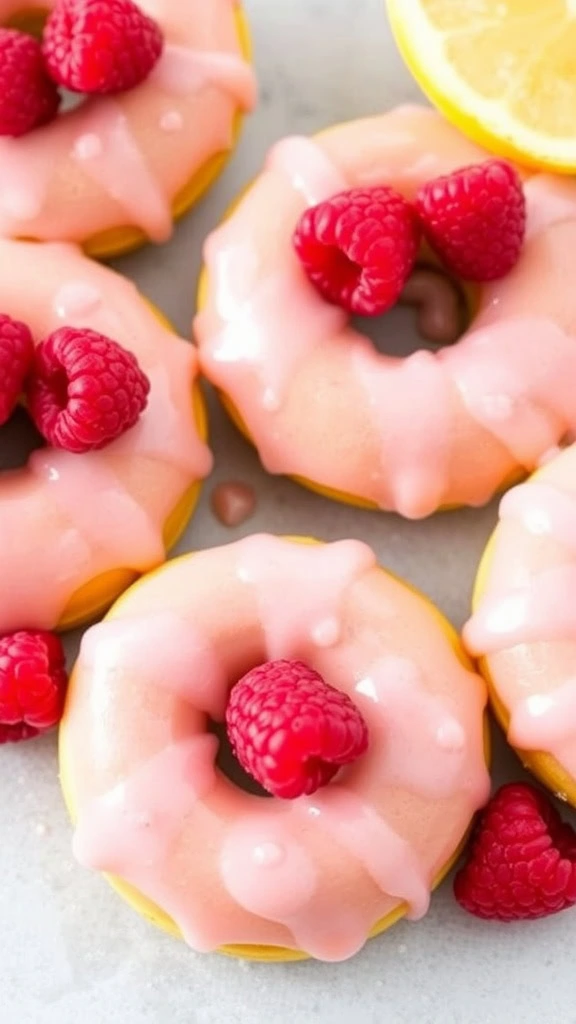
{"x":70,"y":951}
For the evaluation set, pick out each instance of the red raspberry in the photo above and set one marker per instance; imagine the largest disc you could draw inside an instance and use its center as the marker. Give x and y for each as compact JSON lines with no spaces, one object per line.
{"x":475,"y":219}
{"x":16,"y":356}
{"x":85,"y":390}
{"x":28,"y":98}
{"x":33,"y":683}
{"x":100,"y":46}
{"x":359,"y":248}
{"x":522,"y":860}
{"x":290,"y":730}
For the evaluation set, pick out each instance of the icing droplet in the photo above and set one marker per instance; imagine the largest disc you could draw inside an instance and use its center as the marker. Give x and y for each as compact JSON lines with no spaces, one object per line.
{"x":270,"y":401}
{"x":172,"y":121}
{"x":76,"y":299}
{"x":326,"y":633}
{"x":233,"y":502}
{"x":498,"y":407}
{"x":268,"y":854}
{"x":87,"y":147}
{"x":20,"y":204}
{"x":549,"y":454}
{"x":278,"y":886}
{"x":450,"y":736}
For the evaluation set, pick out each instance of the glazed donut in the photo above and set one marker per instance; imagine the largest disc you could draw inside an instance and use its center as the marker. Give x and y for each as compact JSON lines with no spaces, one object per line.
{"x":269,"y":878}
{"x":524,"y":628}
{"x":77,"y":529}
{"x":320,"y":403}
{"x":115,"y":171}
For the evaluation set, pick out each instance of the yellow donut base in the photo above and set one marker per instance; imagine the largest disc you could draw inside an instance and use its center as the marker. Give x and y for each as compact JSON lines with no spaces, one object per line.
{"x":272,"y":954}
{"x":91,"y":600}
{"x":120,"y":240}
{"x":542,"y":765}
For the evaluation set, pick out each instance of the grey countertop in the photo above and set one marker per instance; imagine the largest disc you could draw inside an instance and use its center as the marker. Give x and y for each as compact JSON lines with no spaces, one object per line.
{"x":71,"y":952}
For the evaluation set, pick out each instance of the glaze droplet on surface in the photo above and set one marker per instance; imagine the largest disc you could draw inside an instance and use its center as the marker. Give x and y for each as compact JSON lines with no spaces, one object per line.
{"x":233,"y":502}
{"x":76,"y":299}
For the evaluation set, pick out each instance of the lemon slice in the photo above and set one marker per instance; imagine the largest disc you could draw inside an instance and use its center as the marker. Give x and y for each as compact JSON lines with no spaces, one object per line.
{"x":503,"y":71}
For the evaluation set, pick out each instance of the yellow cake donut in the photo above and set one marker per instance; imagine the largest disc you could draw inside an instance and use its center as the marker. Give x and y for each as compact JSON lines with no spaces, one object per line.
{"x":170,"y":831}
{"x":521,"y":627}
{"x":411,"y":435}
{"x":117,"y":171}
{"x":78,"y":529}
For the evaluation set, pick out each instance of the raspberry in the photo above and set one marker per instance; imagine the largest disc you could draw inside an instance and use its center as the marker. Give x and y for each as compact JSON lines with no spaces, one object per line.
{"x":475,"y":219}
{"x":522,"y":860}
{"x":33,"y":683}
{"x":292,"y":731}
{"x":100,"y":46}
{"x":28,"y":98}
{"x":359,"y":248}
{"x":84,"y":390}
{"x":16,"y":356}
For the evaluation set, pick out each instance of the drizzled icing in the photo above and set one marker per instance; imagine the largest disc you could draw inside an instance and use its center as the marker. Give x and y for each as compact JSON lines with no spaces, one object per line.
{"x":229,"y":867}
{"x":66,"y":519}
{"x":119,"y":156}
{"x":400,"y":431}
{"x":525,"y":620}
{"x":108,"y":152}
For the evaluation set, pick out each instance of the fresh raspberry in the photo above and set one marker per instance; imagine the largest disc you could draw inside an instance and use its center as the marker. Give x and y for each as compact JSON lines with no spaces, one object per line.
{"x":290,"y":730}
{"x":522,"y":859}
{"x":359,"y":248}
{"x":84,"y":390}
{"x":100,"y":46}
{"x":475,"y":219}
{"x":33,"y":683}
{"x":16,"y":356}
{"x":28,"y":97}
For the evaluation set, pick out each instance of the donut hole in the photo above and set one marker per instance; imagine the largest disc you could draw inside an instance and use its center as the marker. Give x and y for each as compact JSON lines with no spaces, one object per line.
{"x":432,"y":312}
{"x":18,"y":439}
{"x":229,"y":765}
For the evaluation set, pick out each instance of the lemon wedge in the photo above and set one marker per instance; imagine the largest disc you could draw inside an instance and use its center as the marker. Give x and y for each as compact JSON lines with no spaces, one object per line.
{"x":502,"y":71}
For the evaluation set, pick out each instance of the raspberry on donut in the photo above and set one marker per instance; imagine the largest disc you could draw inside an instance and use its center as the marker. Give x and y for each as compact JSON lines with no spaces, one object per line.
{"x":123,"y":421}
{"x":166,"y":88}
{"x":370,"y":746}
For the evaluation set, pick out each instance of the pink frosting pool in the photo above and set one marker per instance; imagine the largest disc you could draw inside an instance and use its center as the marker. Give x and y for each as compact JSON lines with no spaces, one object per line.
{"x":320,"y":402}
{"x":228,"y":867}
{"x":121,"y":161}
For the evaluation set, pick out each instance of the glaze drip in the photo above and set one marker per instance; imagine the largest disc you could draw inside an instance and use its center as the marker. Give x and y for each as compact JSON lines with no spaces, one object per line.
{"x":525,"y":618}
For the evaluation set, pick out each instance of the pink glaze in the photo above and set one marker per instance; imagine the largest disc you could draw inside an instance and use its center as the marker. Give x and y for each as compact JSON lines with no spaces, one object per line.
{"x":124,"y":161}
{"x":66,"y":519}
{"x":317,"y":398}
{"x":525,"y":620}
{"x":316,"y":873}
